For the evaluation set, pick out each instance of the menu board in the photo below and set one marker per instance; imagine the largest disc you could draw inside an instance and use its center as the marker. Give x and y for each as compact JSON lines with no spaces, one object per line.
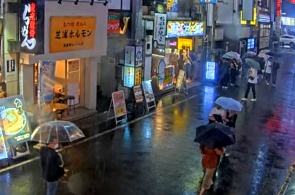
{"x":3,"y":150}
{"x":184,"y":29}
{"x":138,"y":75}
{"x":14,"y":122}
{"x":128,"y":76}
{"x":210,"y":70}
{"x":180,"y":79}
{"x":148,"y":91}
{"x":138,"y":94}
{"x":119,"y":103}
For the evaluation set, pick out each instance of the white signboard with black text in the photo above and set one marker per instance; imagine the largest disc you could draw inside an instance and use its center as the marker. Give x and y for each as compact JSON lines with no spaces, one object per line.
{"x":160,"y":28}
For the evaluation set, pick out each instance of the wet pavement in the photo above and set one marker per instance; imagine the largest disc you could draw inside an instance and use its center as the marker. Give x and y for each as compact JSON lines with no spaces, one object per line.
{"x":156,"y":154}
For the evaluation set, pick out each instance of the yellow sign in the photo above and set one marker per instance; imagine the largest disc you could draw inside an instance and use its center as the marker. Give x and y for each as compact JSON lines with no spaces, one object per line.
{"x":253,"y":22}
{"x":71,"y":33}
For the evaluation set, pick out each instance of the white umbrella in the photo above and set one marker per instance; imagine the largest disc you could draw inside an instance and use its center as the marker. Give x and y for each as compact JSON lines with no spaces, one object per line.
{"x":64,"y":131}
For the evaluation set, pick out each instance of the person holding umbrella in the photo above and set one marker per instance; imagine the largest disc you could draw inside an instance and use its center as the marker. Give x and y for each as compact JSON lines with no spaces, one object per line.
{"x":252,"y":80}
{"x":268,"y":69}
{"x":275,"y":67}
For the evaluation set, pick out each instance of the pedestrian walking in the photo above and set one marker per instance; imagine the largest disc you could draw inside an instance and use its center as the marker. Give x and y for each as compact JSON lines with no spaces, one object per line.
{"x":217,"y":114}
{"x":52,"y":165}
{"x":210,"y":161}
{"x":230,"y":121}
{"x":252,"y":81}
{"x":275,"y":68}
{"x":224,"y":73}
{"x":233,"y":71}
{"x":267,"y":70}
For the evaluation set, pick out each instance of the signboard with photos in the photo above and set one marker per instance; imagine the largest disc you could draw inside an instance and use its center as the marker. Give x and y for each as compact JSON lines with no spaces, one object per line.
{"x":184,"y":29}
{"x":31,"y":36}
{"x":148,"y":94}
{"x":119,"y":105}
{"x":71,"y":33}
{"x":138,"y":94}
{"x":14,"y":122}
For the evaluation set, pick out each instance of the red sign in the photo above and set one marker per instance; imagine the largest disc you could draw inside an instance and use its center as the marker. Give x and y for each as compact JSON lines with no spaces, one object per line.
{"x":32,"y":24}
{"x":114,"y":23}
{"x":278,"y":7}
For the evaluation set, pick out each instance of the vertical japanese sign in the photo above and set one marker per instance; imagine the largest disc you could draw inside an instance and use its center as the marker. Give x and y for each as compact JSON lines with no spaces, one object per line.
{"x":71,"y":33}
{"x":46,"y":80}
{"x":114,"y":23}
{"x":138,"y":76}
{"x":160,"y":28}
{"x":119,"y":103}
{"x":129,"y":56}
{"x":278,"y":17}
{"x":31,"y":36}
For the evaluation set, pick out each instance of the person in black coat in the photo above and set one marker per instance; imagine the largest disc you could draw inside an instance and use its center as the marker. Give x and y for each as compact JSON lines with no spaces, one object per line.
{"x":52,"y":165}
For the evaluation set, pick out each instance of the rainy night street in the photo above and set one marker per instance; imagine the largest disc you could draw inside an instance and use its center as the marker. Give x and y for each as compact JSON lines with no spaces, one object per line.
{"x":156,"y":155}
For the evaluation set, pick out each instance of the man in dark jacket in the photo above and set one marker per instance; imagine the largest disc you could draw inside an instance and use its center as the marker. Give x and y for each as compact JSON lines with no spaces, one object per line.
{"x":52,"y":166}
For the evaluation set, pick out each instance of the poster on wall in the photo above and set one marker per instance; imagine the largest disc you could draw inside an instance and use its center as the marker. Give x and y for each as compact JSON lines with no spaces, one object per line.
{"x":119,"y":103}
{"x":31,"y":36}
{"x":128,"y":76}
{"x":184,"y":29}
{"x":138,"y":56}
{"x":71,"y":33}
{"x":73,"y":71}
{"x":129,"y":56}
{"x":14,"y":121}
{"x":47,"y":80}
{"x":160,"y":29}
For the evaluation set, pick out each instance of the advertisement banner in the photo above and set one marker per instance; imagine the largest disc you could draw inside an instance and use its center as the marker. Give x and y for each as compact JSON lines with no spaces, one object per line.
{"x":114,"y":23}
{"x":160,"y":28}
{"x":129,"y":56}
{"x":119,"y":103}
{"x":210,"y":70}
{"x":148,"y":91}
{"x":31,"y":36}
{"x":47,"y":80}
{"x":184,"y":29}
{"x":14,"y":121}
{"x":71,"y":33}
{"x":128,"y":76}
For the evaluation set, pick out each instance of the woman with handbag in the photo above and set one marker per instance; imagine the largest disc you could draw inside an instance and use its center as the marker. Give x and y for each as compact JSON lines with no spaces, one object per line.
{"x":252,"y":81}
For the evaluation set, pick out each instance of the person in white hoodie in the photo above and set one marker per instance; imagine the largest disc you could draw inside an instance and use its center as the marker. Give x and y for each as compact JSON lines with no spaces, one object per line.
{"x":268,"y":68}
{"x":252,"y":81}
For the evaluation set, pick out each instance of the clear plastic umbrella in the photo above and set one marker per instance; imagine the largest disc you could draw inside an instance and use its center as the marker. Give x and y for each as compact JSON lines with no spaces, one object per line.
{"x":64,"y":131}
{"x":229,"y":103}
{"x":232,"y":55}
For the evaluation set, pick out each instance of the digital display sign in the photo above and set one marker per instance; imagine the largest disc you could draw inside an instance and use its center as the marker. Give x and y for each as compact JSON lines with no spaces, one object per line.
{"x":251,"y":44}
{"x":210,"y":70}
{"x":184,"y":29}
{"x":207,"y":1}
{"x":14,"y":122}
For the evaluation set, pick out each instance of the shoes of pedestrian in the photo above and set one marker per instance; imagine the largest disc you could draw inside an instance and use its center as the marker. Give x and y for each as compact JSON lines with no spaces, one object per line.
{"x":226,"y":154}
{"x":253,"y":100}
{"x":232,"y":84}
{"x":273,"y":85}
{"x":225,"y":87}
{"x":244,"y":99}
{"x":267,"y":83}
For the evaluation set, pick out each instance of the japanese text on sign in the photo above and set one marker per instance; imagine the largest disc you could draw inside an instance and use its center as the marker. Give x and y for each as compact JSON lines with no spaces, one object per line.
{"x":72,"y":33}
{"x":160,"y":28}
{"x":28,"y":31}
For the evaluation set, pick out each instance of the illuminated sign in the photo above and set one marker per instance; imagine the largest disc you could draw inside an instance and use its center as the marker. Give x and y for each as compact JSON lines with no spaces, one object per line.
{"x":288,"y":21}
{"x":172,"y":6}
{"x":14,"y":122}
{"x":3,"y":150}
{"x":184,"y":29}
{"x":263,"y":18}
{"x":129,"y":76}
{"x":278,"y":7}
{"x":210,"y":70}
{"x":32,"y":37}
{"x":71,"y":33}
{"x":208,"y":1}
{"x":114,"y":23}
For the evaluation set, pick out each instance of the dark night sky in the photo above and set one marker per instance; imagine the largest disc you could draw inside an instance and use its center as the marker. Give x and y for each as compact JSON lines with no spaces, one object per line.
{"x":288,"y":8}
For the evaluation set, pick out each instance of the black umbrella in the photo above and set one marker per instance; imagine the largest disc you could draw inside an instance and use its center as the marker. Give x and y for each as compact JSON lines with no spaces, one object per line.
{"x":215,"y":135}
{"x":273,"y":54}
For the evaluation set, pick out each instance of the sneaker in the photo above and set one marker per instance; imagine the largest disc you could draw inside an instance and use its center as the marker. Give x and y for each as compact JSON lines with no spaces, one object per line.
{"x":267,"y":83}
{"x":244,"y":99}
{"x":225,"y":87}
{"x":273,"y":85}
{"x":227,"y":154}
{"x":253,"y":100}
{"x":232,"y":84}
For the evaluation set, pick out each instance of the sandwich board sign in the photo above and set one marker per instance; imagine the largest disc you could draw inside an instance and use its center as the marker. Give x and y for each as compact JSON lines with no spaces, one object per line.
{"x":181,"y":83}
{"x":119,"y":105}
{"x":148,"y":95}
